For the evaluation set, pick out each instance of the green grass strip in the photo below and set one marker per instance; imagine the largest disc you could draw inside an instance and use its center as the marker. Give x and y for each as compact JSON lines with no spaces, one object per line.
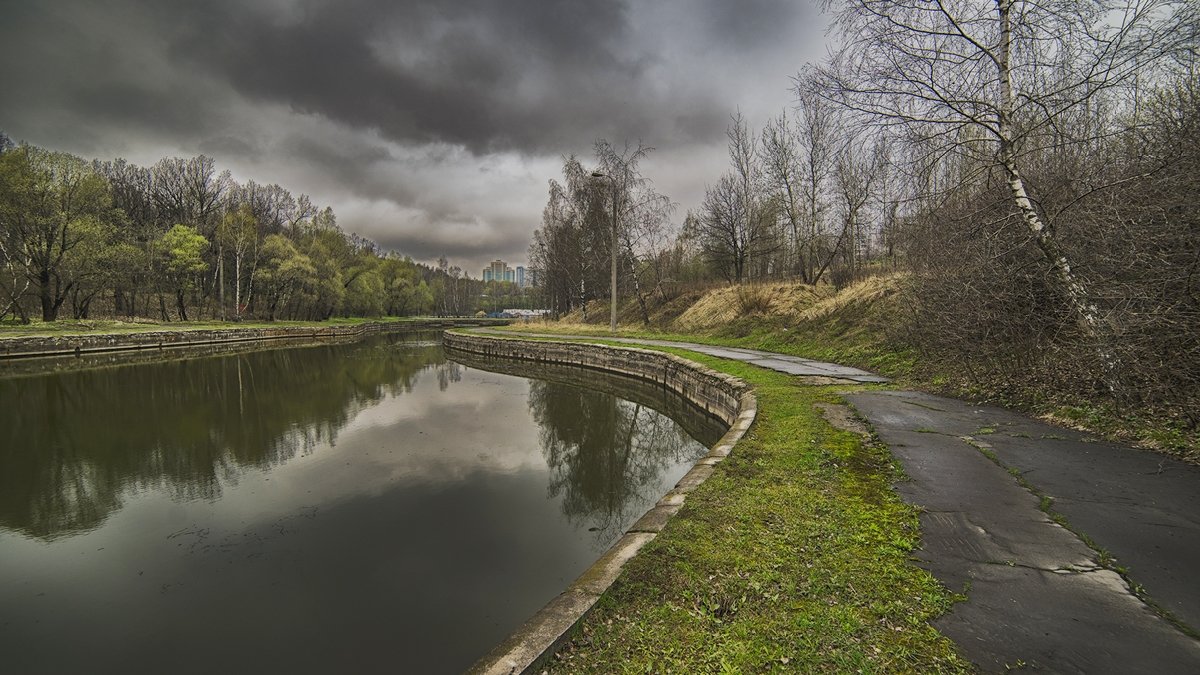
{"x":70,"y":327}
{"x":795,"y":556}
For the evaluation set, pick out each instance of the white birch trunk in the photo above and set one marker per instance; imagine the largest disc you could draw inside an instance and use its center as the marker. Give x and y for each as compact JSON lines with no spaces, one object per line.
{"x":1087,"y":315}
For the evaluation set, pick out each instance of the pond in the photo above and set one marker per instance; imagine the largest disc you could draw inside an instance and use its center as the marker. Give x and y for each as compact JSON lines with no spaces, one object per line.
{"x":362,"y":507}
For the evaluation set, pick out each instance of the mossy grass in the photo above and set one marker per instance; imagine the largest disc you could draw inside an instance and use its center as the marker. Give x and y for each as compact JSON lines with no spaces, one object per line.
{"x":795,"y":556}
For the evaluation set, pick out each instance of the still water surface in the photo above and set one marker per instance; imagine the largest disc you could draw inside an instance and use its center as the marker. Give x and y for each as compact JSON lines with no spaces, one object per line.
{"x":333,"y":508}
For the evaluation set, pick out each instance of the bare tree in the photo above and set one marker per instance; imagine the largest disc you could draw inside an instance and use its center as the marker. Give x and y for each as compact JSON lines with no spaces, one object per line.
{"x":641,"y":214}
{"x":559,"y":247}
{"x":737,"y":227}
{"x":722,"y":229}
{"x":817,"y":127}
{"x":761,"y":211}
{"x":989,"y":81}
{"x":783,"y":165}
{"x":594,"y":217}
{"x":857,"y":174}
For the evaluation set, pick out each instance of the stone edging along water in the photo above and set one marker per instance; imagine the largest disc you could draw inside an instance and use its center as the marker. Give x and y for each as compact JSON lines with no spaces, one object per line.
{"x":67,"y":345}
{"x":728,"y":398}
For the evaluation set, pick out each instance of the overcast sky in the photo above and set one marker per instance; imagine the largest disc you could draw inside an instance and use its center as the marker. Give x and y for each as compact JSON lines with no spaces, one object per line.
{"x":430,"y":127}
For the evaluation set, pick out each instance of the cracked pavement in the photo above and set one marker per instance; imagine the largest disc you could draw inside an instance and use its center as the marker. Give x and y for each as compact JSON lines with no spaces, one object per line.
{"x":1038,"y":595}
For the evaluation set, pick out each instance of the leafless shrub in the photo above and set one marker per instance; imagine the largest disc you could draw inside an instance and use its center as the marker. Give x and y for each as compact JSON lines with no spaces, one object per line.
{"x":985,"y":301}
{"x":753,"y":299}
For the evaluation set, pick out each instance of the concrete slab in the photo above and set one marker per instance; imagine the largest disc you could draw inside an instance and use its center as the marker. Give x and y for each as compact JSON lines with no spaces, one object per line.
{"x":597,"y":578}
{"x":656,"y":518}
{"x":1140,"y":506}
{"x":693,"y":478}
{"x":523,"y":649}
{"x":1063,"y":623}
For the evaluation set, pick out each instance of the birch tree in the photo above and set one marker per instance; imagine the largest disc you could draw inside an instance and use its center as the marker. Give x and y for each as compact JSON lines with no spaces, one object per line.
{"x":783,"y":164}
{"x":238,"y":233}
{"x":988,"y":80}
{"x":641,"y":213}
{"x":816,"y":130}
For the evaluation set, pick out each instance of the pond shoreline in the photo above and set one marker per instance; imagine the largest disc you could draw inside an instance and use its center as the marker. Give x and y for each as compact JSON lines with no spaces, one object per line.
{"x":728,"y":398}
{"x":51,"y":346}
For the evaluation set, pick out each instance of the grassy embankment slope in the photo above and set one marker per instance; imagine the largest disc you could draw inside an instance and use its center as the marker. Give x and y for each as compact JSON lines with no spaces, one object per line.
{"x":795,"y":555}
{"x":862,"y":326}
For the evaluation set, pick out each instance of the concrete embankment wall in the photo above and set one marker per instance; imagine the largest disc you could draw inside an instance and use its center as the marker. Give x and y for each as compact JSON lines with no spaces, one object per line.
{"x":66,"y":345}
{"x":727,"y":397}
{"x":717,"y":393}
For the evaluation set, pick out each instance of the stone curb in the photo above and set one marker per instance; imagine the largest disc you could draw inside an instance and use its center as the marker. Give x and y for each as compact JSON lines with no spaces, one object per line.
{"x":78,"y":345}
{"x":729,"y":398}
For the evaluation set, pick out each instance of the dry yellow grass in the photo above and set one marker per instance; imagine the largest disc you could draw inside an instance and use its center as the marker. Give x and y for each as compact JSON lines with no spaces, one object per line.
{"x":861,"y":292}
{"x":722,"y":305}
{"x":792,"y":302}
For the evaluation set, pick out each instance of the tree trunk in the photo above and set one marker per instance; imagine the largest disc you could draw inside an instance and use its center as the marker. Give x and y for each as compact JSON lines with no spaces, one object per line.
{"x":641,"y":298}
{"x":832,"y":254}
{"x":49,"y":310}
{"x":1087,"y":315}
{"x":15,"y":302}
{"x":237,"y":285}
{"x":221,"y":279}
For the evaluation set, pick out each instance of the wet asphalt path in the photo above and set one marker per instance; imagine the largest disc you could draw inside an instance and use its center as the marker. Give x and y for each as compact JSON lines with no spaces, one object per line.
{"x":1036,"y":592}
{"x":1038,"y":596}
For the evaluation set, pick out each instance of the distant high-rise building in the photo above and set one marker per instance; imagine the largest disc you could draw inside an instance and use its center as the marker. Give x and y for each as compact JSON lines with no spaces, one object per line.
{"x":496,"y":271}
{"x":520,"y":275}
{"x":499,"y":270}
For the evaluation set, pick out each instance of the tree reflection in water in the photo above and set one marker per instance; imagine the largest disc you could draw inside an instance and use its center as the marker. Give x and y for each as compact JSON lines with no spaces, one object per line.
{"x":604,"y":454}
{"x":607,"y":445}
{"x":73,"y":445}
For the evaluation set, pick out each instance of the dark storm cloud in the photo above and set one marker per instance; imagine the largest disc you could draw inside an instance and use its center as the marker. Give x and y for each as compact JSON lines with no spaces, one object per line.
{"x":744,"y":23}
{"x":491,"y":75}
{"x":429,"y":126}
{"x":355,"y":163}
{"x":524,"y":74}
{"x":432,"y":244}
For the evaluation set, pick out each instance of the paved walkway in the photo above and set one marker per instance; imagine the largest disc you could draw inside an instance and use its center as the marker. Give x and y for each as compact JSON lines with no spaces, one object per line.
{"x":1037,"y":595}
{"x":792,"y":365}
{"x":1036,"y":592}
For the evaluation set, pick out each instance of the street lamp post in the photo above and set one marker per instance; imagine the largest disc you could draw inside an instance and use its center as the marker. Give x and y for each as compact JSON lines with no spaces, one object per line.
{"x":612,"y":316}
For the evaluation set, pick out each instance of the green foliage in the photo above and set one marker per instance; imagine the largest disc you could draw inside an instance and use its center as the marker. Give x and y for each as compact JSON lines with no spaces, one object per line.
{"x":285,"y":276}
{"x":103,"y":236}
{"x":182,"y":248}
{"x":365,"y":293}
{"x":50,"y":203}
{"x":237,"y":228}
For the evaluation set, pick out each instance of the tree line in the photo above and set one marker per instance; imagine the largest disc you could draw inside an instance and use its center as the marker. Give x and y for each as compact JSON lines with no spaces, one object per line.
{"x":179,"y":240}
{"x":1031,"y":165}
